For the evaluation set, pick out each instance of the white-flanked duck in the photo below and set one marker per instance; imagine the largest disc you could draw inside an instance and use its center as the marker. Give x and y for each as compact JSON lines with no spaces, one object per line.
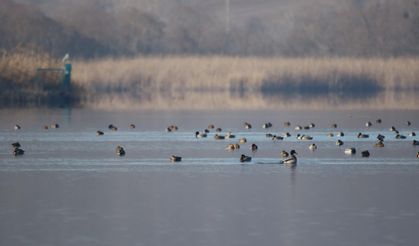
{"x":112,"y":127}
{"x":99,"y":133}
{"x":350,"y":151}
{"x":304,"y":137}
{"x":17,"y":127}
{"x":312,"y":125}
{"x":368,"y":124}
{"x":287,"y":135}
{"x":247,"y":125}
{"x":291,"y":161}
{"x":242,"y":140}
{"x":412,"y":134}
{"x":120,"y":151}
{"x":267,"y":125}
{"x":55,"y":126}
{"x":330,"y":135}
{"x":230,"y":135}
{"x":340,"y":134}
{"x":245,"y":158}
{"x":175,"y":158}
{"x":200,"y":134}
{"x":339,"y":142}
{"x":298,"y":128}
{"x":312,"y":147}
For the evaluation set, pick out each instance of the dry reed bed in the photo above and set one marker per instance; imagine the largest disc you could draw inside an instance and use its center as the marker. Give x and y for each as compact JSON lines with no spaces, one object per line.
{"x":220,"y":73}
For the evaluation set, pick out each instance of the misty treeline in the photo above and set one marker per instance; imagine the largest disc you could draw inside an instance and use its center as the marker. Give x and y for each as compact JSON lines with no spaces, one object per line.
{"x":96,"y":28}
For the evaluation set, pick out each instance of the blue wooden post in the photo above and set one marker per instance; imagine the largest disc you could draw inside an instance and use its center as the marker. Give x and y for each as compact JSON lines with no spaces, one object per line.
{"x":67,"y":77}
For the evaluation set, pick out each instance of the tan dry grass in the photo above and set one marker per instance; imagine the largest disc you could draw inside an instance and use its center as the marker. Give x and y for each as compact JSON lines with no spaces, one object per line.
{"x":218,"y":72}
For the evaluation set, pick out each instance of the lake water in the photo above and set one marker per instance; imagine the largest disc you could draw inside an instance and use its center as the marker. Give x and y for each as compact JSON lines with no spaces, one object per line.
{"x":71,"y":189}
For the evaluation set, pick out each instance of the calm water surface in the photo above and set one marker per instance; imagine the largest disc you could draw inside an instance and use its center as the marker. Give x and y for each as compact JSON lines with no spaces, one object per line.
{"x":71,"y":189}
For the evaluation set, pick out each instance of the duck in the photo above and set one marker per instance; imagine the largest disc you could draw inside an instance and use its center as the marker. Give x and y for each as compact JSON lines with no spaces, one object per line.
{"x":211,"y":126}
{"x":206,"y":131}
{"x":55,"y":126}
{"x":368,"y":124}
{"x":120,"y":151}
{"x":312,"y":125}
{"x":399,"y":136}
{"x":379,"y":144}
{"x":219,"y":137}
{"x":334,"y":125}
{"x":230,"y":135}
{"x":267,"y":125}
{"x":112,"y":127}
{"x":417,"y":155}
{"x":242,"y":140}
{"x":254,"y":147}
{"x":409,"y":123}
{"x":247,"y":125}
{"x":379,"y":121}
{"x":200,"y":134}
{"x":312,"y":147}
{"x":340,"y":134}
{"x":132,"y":126}
{"x":17,"y":127}
{"x":245,"y":158}
{"x":330,"y":135}
{"x":363,"y":135}
{"x":284,"y":154}
{"x":269,"y":135}
{"x":275,"y":137}
{"x":339,"y":142}
{"x":415,"y":143}
{"x":287,"y":124}
{"x":175,"y":158}
{"x":380,"y":137}
{"x":306,"y":127}
{"x":365,"y":153}
{"x":16,"y":145}
{"x":291,"y":161}
{"x":172,"y":128}
{"x":304,"y":137}
{"x":350,"y":151}
{"x":218,"y":129}
{"x":412,"y":134}
{"x":298,"y":128}
{"x":232,"y":147}
{"x":393,"y":129}
{"x":46,"y":127}
{"x":18,"y":151}
{"x":287,"y":134}
{"x":99,"y":133}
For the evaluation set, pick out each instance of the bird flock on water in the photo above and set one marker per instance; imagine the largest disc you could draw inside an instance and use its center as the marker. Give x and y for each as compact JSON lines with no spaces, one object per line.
{"x":288,"y":158}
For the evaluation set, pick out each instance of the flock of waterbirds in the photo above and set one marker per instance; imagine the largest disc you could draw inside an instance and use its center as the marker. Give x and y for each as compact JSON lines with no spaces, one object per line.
{"x":289,"y":158}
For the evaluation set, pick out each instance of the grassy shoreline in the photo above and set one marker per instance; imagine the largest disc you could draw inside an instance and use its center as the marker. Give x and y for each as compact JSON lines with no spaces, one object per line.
{"x":155,"y":77}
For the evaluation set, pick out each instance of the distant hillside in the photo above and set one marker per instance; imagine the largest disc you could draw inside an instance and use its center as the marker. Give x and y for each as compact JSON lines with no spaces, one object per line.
{"x":250,"y":27}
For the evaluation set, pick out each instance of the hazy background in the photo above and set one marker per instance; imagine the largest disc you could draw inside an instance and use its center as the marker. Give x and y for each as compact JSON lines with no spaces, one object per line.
{"x":96,"y":28}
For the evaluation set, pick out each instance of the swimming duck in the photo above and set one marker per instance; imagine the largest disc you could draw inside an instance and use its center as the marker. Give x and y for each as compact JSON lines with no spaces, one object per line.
{"x":17,"y":127}
{"x":362,"y":135}
{"x":287,"y":124}
{"x":415,"y":142}
{"x":16,"y":145}
{"x":330,"y":135}
{"x":298,"y":128}
{"x":55,"y":126}
{"x":339,"y":142}
{"x":247,"y":125}
{"x":120,"y":151}
{"x":379,"y":121}
{"x":171,"y":128}
{"x":287,"y":134}
{"x":218,"y":130}
{"x":334,"y":125}
{"x":112,"y":127}
{"x":306,"y":127}
{"x":99,"y":133}
{"x":211,"y":126}
{"x":380,"y":137}
{"x":232,"y":147}
{"x":399,"y":136}
{"x":292,"y":161}
{"x":304,"y":137}
{"x":312,"y":125}
{"x":245,"y":158}
{"x":267,"y":125}
{"x":409,"y":123}
{"x":206,"y":131}
{"x":412,"y":134}
{"x":200,"y":134}
{"x":45,"y":127}
{"x":18,"y":151}
{"x":242,"y":140}
{"x":132,"y":126}
{"x":379,"y":144}
{"x":175,"y":158}
{"x":219,"y":137}
{"x":312,"y":147}
{"x":365,"y":153}
{"x":284,"y":154}
{"x":350,"y":151}
{"x":340,"y":134}
{"x":275,"y":137}
{"x":368,"y":124}
{"x":254,"y":147}
{"x":269,"y":135}
{"x":393,"y":129}
{"x":230,"y":135}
